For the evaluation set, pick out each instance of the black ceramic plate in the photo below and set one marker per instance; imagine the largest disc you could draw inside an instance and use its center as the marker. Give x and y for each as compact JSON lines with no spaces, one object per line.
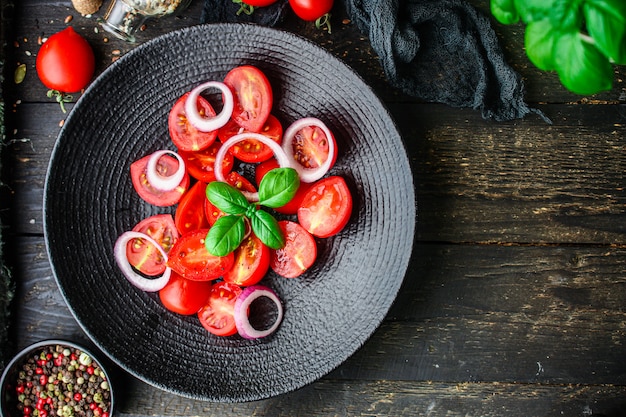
{"x":89,"y":201}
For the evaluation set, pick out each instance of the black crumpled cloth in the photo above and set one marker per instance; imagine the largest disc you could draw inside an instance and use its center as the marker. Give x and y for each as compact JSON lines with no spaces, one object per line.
{"x":441,"y":51}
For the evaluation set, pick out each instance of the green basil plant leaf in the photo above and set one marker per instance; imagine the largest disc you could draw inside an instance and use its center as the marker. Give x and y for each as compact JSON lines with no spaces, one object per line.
{"x":226,"y":198}
{"x":278,"y":187}
{"x":225,"y":235}
{"x":606,"y":24}
{"x":535,"y":10}
{"x":539,"y":39}
{"x":267,"y":230}
{"x":582,"y":68}
{"x":504,"y":11}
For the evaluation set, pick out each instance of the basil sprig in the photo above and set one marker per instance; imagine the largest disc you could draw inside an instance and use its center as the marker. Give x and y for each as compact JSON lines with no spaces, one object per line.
{"x":276,"y":189}
{"x":579,"y":39}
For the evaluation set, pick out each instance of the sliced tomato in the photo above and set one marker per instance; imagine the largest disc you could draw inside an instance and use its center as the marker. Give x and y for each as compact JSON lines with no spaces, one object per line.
{"x":252,"y":261}
{"x":144,"y":256}
{"x":292,"y":206}
{"x":190,"y":211}
{"x":218,"y":314}
{"x":184,"y":296}
{"x":297,"y":255}
{"x":310,"y":147}
{"x":183,"y":134}
{"x":236,"y":180}
{"x":166,"y":166}
{"x":191,"y":259}
{"x":253,"y":96}
{"x":326,"y":207}
{"x":251,"y":150}
{"x":201,"y":164}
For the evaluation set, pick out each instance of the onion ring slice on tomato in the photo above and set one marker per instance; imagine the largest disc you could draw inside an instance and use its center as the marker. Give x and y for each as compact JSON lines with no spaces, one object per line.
{"x":138,"y":280}
{"x":160,"y":182}
{"x":279,"y":153}
{"x":242,"y":306}
{"x":209,"y":124}
{"x":308,"y":174}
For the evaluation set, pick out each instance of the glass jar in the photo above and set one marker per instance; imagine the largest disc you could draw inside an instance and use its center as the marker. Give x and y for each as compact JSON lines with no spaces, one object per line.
{"x":124,"y":18}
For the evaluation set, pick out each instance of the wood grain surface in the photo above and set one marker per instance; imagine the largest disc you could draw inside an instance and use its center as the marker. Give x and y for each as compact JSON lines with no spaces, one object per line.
{"x":513,"y":304}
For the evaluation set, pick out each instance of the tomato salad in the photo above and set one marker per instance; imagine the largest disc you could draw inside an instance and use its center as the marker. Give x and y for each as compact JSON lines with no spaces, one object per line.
{"x":210,"y":257}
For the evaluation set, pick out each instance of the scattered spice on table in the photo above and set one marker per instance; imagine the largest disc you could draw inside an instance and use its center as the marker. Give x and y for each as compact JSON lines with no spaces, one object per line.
{"x":62,"y":381}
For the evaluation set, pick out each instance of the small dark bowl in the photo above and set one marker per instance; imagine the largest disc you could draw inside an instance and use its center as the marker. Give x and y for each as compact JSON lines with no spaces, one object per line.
{"x":8,"y":382}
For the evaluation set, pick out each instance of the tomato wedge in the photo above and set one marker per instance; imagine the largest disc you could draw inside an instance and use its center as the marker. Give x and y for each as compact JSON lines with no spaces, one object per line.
{"x":218,"y":314}
{"x":201,"y":164}
{"x":166,"y":166}
{"x":252,"y":261}
{"x":143,"y":256}
{"x":236,"y":180}
{"x":253,"y":96}
{"x":292,"y":206}
{"x":184,"y":296}
{"x":297,"y":255}
{"x":326,"y":207}
{"x":191,"y":259}
{"x":183,"y":134}
{"x":252,"y":150}
{"x":190,"y":211}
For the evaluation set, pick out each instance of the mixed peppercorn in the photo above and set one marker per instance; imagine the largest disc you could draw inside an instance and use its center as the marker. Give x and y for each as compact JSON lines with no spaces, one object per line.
{"x":62,"y":381}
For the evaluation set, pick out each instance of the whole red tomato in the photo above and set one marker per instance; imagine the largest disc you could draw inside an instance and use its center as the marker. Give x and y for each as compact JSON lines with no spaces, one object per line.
{"x":65,"y":62}
{"x":311,"y":10}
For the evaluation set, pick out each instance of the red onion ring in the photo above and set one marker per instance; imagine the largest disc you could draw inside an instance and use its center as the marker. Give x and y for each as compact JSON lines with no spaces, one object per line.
{"x":158,"y":181}
{"x":280,"y":155}
{"x":209,"y":124}
{"x":308,"y":174}
{"x":138,"y":280}
{"x":242,"y":321}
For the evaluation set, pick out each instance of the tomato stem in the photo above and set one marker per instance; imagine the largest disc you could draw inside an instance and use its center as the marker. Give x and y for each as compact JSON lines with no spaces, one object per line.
{"x":60,"y":97}
{"x":323,"y":22}
{"x":244,"y":7}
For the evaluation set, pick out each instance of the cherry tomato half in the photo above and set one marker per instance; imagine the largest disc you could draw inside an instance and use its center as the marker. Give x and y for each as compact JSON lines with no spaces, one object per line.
{"x":326,"y":207}
{"x":310,"y":147}
{"x":184,"y":296}
{"x":191,"y":259}
{"x":311,"y":10}
{"x":166,"y":166}
{"x":253,"y":96}
{"x":252,"y":261}
{"x":251,"y":150}
{"x":144,"y":256}
{"x":190,"y":211}
{"x":183,"y":134}
{"x":297,"y":255}
{"x":218,"y":314}
{"x":65,"y":62}
{"x":201,"y":164}
{"x":292,"y":206}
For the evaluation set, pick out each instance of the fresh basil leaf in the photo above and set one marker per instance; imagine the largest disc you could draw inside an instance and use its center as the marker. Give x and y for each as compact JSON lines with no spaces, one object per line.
{"x":226,"y":198}
{"x":278,"y":187}
{"x":535,"y":10}
{"x":539,"y":39}
{"x":504,"y":11}
{"x":582,"y":68}
{"x":225,"y":235}
{"x":606,"y":24}
{"x":267,"y":230}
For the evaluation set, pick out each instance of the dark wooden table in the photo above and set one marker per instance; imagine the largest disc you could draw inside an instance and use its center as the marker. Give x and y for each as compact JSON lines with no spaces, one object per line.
{"x":514,"y":303}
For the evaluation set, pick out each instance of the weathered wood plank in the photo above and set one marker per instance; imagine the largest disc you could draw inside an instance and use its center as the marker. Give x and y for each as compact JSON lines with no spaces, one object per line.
{"x":465,"y":313}
{"x":522,"y":182}
{"x":41,"y":18}
{"x":334,"y":398}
